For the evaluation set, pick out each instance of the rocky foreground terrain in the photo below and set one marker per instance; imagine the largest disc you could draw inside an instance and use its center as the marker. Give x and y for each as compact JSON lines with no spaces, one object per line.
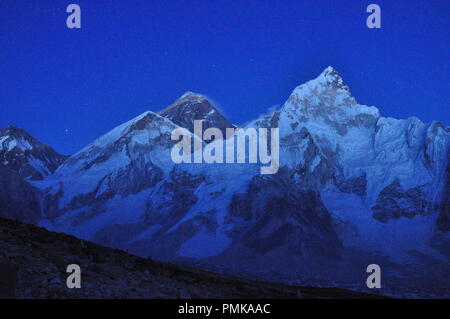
{"x":41,"y":257}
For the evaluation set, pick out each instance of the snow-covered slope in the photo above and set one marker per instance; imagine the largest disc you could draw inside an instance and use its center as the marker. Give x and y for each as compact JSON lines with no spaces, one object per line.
{"x":130,"y":158}
{"x":353,"y":188}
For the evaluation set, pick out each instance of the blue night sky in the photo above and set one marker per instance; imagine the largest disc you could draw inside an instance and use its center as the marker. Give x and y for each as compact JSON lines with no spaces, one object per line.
{"x":68,"y":86}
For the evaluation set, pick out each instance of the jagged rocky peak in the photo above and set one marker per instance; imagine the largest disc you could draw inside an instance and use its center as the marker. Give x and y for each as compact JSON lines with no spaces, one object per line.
{"x":192,"y":106}
{"x":328,"y":89}
{"x":13,"y":137}
{"x":330,"y":76}
{"x":326,"y":102}
{"x":13,"y":130}
{"x":24,"y":154}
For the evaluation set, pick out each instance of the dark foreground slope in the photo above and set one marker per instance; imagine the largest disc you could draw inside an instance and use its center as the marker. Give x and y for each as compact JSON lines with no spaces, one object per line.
{"x":41,"y":258}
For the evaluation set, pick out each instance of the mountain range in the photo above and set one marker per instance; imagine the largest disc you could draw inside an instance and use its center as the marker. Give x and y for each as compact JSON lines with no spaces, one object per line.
{"x":353,"y":188}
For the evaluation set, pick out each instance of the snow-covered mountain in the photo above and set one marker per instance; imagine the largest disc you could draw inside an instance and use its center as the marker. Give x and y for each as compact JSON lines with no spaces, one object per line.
{"x":390,"y":163}
{"x":353,"y":188}
{"x":24,"y":154}
{"x":23,"y":158}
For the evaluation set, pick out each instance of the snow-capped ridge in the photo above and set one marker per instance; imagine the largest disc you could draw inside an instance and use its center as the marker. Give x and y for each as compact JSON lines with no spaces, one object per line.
{"x":13,"y":137}
{"x":24,"y":154}
{"x":331,"y":76}
{"x":326,"y":106}
{"x":119,"y":131}
{"x":192,"y":95}
{"x":190,"y":98}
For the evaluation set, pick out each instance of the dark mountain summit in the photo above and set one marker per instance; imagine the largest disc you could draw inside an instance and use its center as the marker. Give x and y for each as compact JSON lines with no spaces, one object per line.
{"x":191,"y":106}
{"x":24,"y":154}
{"x":22,"y":158}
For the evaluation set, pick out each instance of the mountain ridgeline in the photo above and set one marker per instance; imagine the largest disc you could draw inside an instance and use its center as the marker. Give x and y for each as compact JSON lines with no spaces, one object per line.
{"x":23,"y":159}
{"x":353,"y":188}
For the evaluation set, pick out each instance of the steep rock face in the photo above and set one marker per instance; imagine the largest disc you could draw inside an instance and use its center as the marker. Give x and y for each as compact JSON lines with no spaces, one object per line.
{"x":190,"y":107}
{"x":23,"y":158}
{"x":274,"y":214}
{"x":21,"y":152}
{"x":18,"y":199}
{"x":413,"y":153}
{"x":395,"y":202}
